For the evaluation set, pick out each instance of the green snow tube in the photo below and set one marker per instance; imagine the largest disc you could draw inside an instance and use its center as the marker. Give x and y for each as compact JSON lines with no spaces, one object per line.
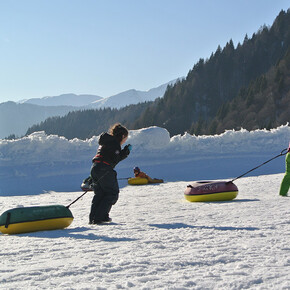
{"x":36,"y":218}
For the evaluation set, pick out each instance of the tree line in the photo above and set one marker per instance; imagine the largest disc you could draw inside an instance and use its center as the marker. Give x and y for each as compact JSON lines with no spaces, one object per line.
{"x":87,"y":123}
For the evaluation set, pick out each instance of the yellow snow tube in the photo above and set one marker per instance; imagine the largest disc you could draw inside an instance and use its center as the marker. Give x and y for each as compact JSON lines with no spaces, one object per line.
{"x":137,"y":181}
{"x":220,"y":196}
{"x":45,"y":225}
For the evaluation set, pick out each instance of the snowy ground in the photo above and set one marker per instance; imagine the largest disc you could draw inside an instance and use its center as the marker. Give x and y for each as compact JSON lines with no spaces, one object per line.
{"x":157,"y":241}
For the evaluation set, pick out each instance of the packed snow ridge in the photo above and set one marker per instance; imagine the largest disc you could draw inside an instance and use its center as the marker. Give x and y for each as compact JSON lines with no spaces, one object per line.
{"x":41,"y":162}
{"x":152,"y":140}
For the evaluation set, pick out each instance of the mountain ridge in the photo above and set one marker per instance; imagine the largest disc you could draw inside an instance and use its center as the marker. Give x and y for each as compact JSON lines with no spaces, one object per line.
{"x":68,"y":99}
{"x":17,"y":117}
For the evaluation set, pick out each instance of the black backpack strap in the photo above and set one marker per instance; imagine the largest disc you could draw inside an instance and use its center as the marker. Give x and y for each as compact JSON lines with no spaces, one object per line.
{"x":7,"y":220}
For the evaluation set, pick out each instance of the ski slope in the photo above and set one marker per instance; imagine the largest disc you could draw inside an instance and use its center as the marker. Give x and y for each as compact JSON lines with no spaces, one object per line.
{"x":157,"y":241}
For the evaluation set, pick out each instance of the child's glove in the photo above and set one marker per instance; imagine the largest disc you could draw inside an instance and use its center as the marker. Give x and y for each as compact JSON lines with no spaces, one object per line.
{"x":127,"y":149}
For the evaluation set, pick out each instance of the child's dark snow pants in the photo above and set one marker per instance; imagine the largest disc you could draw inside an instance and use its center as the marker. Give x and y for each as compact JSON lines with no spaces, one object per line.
{"x":106,"y":190}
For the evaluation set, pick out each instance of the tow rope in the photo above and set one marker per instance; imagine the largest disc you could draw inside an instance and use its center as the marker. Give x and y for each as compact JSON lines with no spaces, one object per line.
{"x":283,"y":152}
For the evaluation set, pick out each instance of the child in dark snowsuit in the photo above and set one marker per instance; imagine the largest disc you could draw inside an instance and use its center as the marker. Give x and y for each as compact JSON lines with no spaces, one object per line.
{"x":286,"y":180}
{"x":104,"y":176}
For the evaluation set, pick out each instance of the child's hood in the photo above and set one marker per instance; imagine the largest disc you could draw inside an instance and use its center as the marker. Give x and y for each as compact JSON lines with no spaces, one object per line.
{"x":106,"y":138}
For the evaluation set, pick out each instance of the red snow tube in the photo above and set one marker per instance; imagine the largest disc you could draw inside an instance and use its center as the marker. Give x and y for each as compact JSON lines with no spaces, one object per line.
{"x":211,"y":191}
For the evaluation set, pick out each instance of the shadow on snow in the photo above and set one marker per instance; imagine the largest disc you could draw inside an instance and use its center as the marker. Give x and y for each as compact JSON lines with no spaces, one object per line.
{"x":183,"y":226}
{"x":77,"y":233}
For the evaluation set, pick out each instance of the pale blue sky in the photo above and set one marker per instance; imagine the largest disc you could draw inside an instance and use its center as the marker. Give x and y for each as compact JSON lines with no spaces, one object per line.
{"x":51,"y":47}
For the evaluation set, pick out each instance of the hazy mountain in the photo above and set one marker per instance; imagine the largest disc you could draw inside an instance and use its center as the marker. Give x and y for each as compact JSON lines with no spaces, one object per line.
{"x":63,"y":100}
{"x":16,"y":118}
{"x":117,"y":101}
{"x":131,"y":97}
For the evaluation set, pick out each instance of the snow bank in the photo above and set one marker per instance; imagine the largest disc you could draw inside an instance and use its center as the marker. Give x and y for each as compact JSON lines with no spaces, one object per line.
{"x":232,"y":141}
{"x":48,"y":162}
{"x":41,"y":147}
{"x":149,"y":139}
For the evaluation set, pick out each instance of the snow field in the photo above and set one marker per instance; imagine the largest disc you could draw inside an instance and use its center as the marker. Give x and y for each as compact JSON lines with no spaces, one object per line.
{"x":157,"y":240}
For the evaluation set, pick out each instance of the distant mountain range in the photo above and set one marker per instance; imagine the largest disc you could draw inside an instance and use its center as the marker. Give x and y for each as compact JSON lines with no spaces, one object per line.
{"x":118,"y":101}
{"x":63,"y":100}
{"x":131,"y":97}
{"x":16,"y":118}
